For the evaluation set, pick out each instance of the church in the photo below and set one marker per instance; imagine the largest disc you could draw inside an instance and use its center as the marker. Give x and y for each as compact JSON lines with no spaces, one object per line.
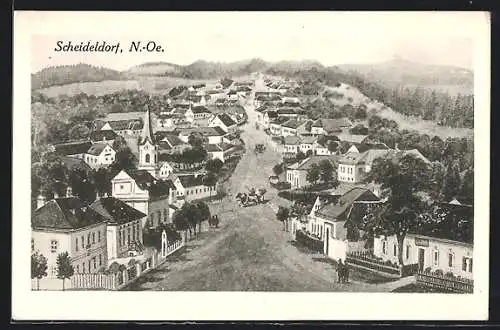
{"x":147,"y":188}
{"x":142,"y":188}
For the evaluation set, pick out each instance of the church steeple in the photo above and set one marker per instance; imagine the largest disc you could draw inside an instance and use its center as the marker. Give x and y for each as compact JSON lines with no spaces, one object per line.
{"x":148,"y":150}
{"x":146,"y":133}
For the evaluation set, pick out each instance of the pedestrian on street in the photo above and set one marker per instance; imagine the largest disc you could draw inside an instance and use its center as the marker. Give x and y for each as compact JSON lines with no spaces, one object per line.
{"x":346,"y":273}
{"x":340,"y":270}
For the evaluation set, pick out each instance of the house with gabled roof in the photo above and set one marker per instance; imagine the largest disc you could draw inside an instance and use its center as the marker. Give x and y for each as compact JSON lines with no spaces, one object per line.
{"x":142,"y":191}
{"x":190,"y":187}
{"x":95,"y":155}
{"x":224,"y":121}
{"x":330,"y":126}
{"x":219,"y":151}
{"x":123,"y":227}
{"x":68,"y":225}
{"x":297,"y":172}
{"x":328,"y":221}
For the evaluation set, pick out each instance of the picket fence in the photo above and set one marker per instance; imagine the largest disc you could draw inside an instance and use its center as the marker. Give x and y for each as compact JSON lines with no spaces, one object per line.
{"x":116,"y":281}
{"x":451,"y":284}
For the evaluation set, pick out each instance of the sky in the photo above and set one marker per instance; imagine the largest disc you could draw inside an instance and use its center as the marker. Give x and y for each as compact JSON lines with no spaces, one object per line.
{"x":331,"y":38}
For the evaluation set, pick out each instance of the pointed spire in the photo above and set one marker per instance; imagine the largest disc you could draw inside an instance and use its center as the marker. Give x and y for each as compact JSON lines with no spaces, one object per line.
{"x":146,"y":129}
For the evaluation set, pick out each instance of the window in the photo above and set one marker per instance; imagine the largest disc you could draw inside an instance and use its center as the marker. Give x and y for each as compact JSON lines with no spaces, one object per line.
{"x":128,"y":235}
{"x":436,"y":257}
{"x":83,"y":242}
{"x":384,"y":247}
{"x":88,"y":239}
{"x":53,"y":271}
{"x":83,"y":268}
{"x":147,"y":158}
{"x":94,"y":261}
{"x":467,"y":264}
{"x":53,"y":246}
{"x":76,"y":244}
{"x":133,"y":233}
{"x":93,"y":238}
{"x":90,"y":267}
{"x":77,"y":269}
{"x":395,"y":249}
{"x":450,"y":259}
{"x":407,"y":252}
{"x":121,"y":187}
{"x":99,"y":236}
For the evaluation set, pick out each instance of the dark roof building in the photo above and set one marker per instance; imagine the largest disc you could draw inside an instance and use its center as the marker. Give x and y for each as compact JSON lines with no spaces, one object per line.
{"x":116,"y":211}
{"x":65,"y":214}
{"x":73,"y":148}
{"x":340,"y":210}
{"x":106,"y":135}
{"x":226,"y":120}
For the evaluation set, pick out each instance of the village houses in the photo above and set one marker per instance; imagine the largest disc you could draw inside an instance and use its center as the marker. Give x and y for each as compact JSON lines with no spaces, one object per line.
{"x":223,"y":121}
{"x":297,"y":172}
{"x":95,"y":155}
{"x":123,"y":227}
{"x":190,"y":187}
{"x":67,"y":225}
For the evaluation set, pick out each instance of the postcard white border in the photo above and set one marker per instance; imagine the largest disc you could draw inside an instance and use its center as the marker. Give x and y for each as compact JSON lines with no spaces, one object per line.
{"x":32,"y":305}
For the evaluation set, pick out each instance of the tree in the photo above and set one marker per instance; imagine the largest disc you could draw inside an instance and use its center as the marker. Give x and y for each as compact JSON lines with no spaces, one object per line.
{"x":38,"y":267}
{"x":326,"y":171}
{"x":309,"y":153}
{"x":361,"y":112}
{"x":214,"y":165}
{"x":180,"y":220}
{"x":81,"y":185}
{"x":203,"y":212}
{"x":313,"y":174}
{"x":467,"y":188}
{"x":79,"y":132}
{"x":282,"y":215}
{"x":210,"y":180}
{"x":451,"y":185}
{"x":300,"y":156}
{"x":195,"y":140}
{"x":404,"y":183}
{"x":64,"y":268}
{"x":278,"y":169}
{"x":333,"y":146}
{"x":359,"y":130}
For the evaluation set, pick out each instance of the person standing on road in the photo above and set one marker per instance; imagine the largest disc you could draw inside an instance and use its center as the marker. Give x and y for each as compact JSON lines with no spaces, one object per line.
{"x":346,"y":273}
{"x":340,"y":270}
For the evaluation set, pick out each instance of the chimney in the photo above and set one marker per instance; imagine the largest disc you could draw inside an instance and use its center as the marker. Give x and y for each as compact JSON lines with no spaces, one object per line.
{"x":69,"y":192}
{"x":40,"y":201}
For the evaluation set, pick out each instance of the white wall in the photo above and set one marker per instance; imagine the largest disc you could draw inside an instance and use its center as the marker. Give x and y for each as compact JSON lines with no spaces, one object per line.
{"x":443,"y":248}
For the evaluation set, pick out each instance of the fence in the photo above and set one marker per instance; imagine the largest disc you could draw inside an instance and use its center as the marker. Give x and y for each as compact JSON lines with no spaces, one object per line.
{"x":114,"y":281}
{"x":447,"y":283}
{"x":365,"y":259}
{"x":312,"y":243}
{"x":94,"y":281}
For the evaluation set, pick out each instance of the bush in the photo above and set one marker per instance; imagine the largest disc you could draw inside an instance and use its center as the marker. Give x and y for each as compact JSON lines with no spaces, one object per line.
{"x":427,"y":270}
{"x":438,"y":272}
{"x":449,"y":274}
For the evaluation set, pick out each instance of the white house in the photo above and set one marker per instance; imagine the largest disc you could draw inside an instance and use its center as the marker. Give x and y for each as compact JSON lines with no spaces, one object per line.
{"x":66,"y":225}
{"x":330,"y":126}
{"x":223,"y":121}
{"x":165,"y":170}
{"x":100,"y":155}
{"x":220,"y":151}
{"x":291,"y":145}
{"x":428,"y":252}
{"x":296,"y":173}
{"x":142,"y":191}
{"x":190,"y":187}
{"x":124,"y":227}
{"x":328,"y":221}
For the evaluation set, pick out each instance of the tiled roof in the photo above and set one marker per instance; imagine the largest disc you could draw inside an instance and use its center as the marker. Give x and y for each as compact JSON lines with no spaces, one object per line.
{"x":286,"y":111}
{"x":332,"y":125}
{"x":103,"y":135}
{"x":121,"y":125}
{"x":338,"y":211}
{"x":64,"y":214}
{"x":72,"y":163}
{"x":73,"y":148}
{"x":226,"y":120}
{"x":351,"y":137}
{"x":124,"y":116}
{"x":200,"y":109}
{"x":116,"y":211}
{"x":293,"y":123}
{"x":279,"y":120}
{"x":146,"y":181}
{"x":191,"y":180}
{"x":292,"y":140}
{"x":97,"y":149}
{"x":306,"y":164}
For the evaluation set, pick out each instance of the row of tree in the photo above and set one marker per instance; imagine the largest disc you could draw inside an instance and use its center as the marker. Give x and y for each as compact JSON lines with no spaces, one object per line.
{"x":64,"y":268}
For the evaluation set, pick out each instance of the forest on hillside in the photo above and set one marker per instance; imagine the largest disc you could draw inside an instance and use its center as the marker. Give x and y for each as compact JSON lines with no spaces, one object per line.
{"x":69,"y":74}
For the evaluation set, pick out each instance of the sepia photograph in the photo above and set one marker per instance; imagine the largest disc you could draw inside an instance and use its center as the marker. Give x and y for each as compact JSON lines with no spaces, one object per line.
{"x":286,"y":158}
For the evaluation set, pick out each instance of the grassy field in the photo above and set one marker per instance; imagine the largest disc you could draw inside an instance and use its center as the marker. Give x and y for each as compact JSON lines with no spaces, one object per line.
{"x":150,"y":84}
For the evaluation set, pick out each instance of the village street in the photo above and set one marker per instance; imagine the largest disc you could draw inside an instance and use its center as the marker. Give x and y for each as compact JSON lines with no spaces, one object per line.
{"x":250,"y":251}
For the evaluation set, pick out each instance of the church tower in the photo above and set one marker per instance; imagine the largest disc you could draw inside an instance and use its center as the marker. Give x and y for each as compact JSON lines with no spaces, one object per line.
{"x":148,"y":150}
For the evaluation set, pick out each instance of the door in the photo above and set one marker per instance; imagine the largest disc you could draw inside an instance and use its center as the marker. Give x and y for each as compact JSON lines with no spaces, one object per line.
{"x":327,"y":239}
{"x":421,"y":259}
